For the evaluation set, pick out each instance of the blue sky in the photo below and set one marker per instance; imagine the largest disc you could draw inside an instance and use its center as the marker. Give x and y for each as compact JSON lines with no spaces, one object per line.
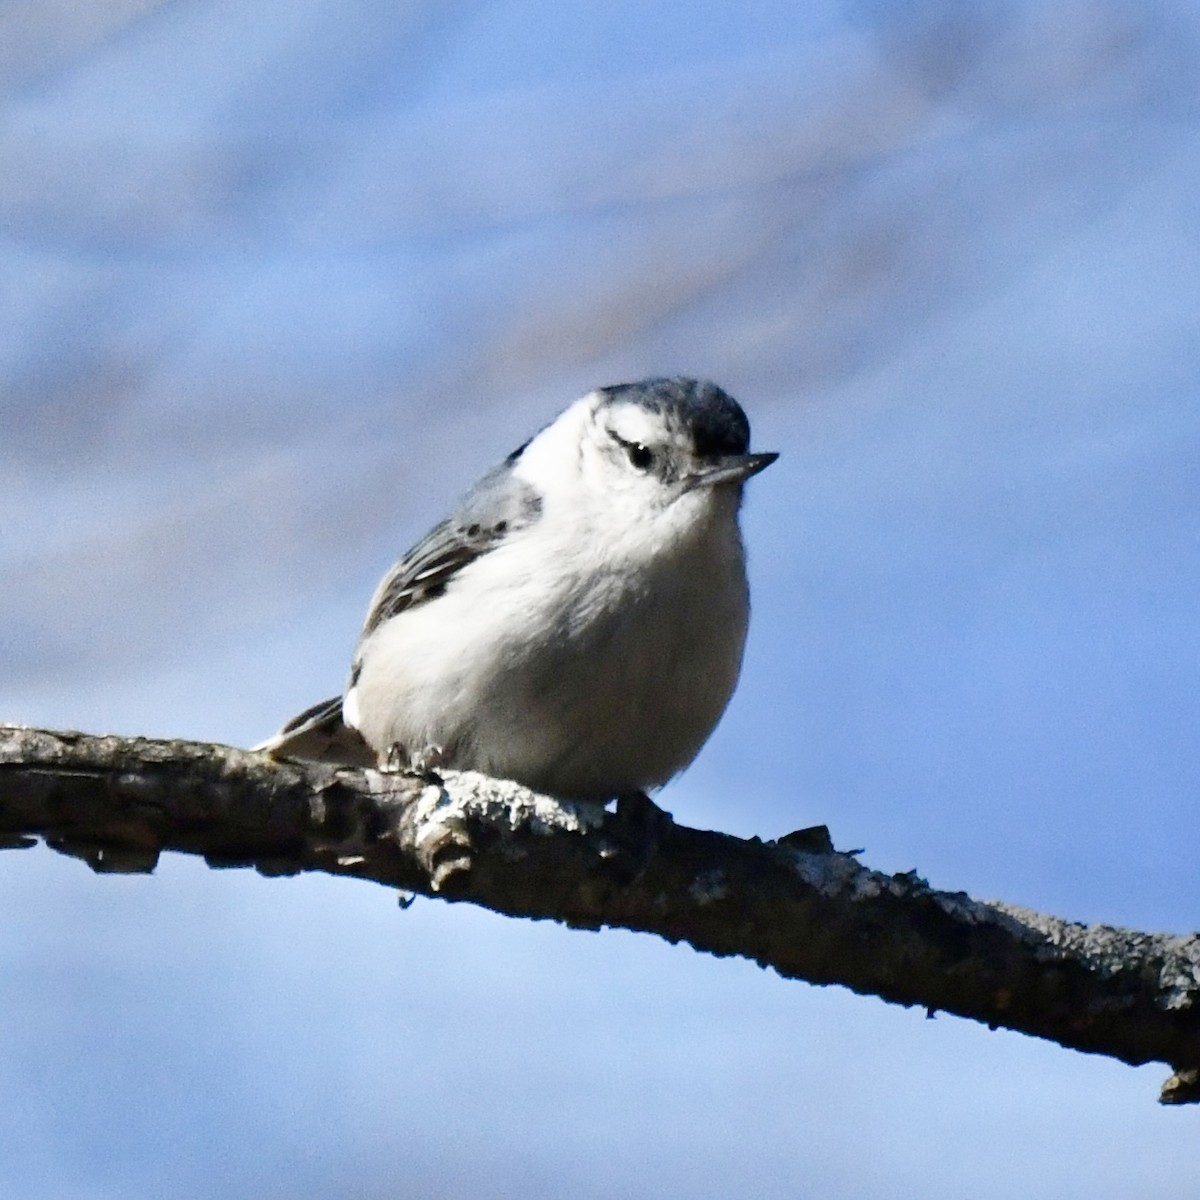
{"x":280,"y":280}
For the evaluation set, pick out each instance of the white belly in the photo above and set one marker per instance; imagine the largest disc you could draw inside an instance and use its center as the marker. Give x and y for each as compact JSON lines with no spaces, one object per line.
{"x":588,"y":690}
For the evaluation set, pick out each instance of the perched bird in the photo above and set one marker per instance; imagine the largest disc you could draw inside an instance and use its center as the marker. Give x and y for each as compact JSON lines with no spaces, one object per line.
{"x":577,"y":624}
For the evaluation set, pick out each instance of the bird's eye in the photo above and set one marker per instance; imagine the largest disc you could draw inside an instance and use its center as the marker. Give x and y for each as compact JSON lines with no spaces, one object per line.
{"x":640,"y":456}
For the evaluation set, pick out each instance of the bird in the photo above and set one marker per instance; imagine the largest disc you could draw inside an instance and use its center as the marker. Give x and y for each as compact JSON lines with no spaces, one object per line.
{"x":577,"y":624}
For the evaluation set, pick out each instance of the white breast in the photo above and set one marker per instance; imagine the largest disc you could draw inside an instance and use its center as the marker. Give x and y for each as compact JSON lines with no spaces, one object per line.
{"x":557,"y":661}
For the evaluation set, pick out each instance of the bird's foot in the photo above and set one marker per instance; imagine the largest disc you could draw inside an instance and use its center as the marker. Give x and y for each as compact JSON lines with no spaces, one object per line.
{"x":398,"y":761}
{"x":395,"y":761}
{"x":427,"y":761}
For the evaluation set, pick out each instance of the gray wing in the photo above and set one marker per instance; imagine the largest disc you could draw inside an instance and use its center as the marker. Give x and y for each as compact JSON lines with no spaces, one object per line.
{"x":495,"y":508}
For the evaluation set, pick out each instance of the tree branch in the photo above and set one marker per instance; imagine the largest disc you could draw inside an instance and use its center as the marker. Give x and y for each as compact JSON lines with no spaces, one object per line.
{"x":794,"y":904}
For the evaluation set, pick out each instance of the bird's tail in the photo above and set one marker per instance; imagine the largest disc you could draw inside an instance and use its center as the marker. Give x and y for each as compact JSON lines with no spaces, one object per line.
{"x":319,"y":734}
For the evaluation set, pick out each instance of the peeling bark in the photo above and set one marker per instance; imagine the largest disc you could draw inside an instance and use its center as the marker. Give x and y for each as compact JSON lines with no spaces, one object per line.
{"x":794,"y":905}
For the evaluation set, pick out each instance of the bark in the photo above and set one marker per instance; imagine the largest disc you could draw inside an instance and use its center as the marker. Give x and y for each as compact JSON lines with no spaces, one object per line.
{"x":794,"y":904}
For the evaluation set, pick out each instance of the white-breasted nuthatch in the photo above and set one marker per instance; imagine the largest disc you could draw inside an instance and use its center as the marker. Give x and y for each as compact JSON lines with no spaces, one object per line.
{"x":577,"y":624}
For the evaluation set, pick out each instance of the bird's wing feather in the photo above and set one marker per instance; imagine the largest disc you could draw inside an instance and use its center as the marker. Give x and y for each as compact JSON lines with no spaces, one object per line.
{"x":426,"y":569}
{"x":498,"y":506}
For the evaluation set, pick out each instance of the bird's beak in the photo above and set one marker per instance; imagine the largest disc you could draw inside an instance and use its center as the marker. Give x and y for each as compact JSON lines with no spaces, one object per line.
{"x":733,"y":468}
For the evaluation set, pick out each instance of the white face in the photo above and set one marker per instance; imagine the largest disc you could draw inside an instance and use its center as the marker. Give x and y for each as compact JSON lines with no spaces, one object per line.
{"x":620,"y":458}
{"x":632,"y":450}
